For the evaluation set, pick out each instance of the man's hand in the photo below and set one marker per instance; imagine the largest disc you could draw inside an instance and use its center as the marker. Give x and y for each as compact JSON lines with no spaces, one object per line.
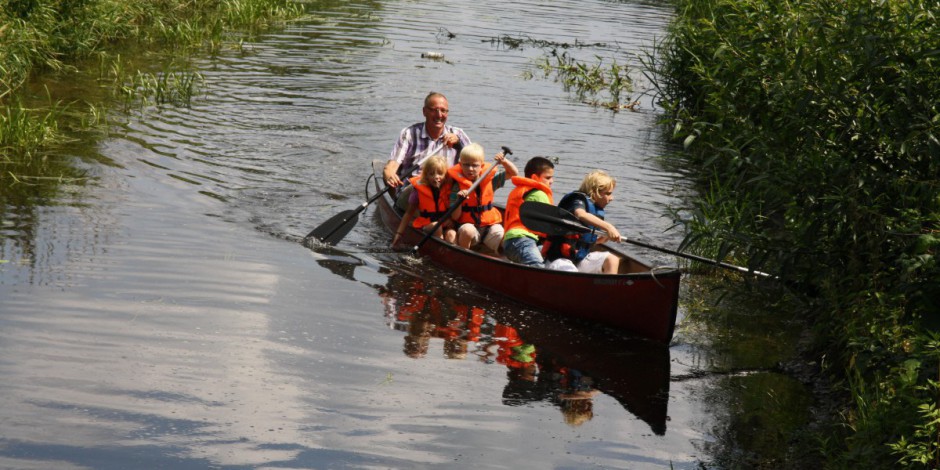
{"x":390,"y":174}
{"x":451,"y":140}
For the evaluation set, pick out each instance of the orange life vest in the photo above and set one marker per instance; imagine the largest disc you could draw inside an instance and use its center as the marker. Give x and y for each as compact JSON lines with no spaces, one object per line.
{"x":414,"y":303}
{"x":478,"y":207}
{"x":509,"y":340}
{"x":472,"y":319}
{"x":430,"y":209}
{"x":517,"y":197}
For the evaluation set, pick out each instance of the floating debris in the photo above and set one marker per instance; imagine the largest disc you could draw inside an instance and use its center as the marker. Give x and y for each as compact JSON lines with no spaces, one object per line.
{"x":435,"y":56}
{"x":614,"y":106}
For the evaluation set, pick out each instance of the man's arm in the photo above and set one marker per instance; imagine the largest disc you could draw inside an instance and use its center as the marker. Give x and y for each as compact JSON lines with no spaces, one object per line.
{"x":403,"y":145}
{"x":390,"y":173}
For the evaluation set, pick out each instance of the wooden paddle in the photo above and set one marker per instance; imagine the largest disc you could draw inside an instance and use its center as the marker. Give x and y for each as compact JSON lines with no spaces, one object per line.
{"x":337,"y":227}
{"x":455,"y":205}
{"x":553,"y":220}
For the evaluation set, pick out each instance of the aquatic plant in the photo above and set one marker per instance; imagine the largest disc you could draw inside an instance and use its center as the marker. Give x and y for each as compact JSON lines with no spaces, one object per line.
{"x":175,"y":87}
{"x":518,"y":42}
{"x":588,"y":79}
{"x":24,"y":130}
{"x":45,"y":36}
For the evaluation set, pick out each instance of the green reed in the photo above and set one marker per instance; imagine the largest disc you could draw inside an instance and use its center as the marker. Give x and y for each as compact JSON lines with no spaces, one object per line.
{"x":47,"y":36}
{"x":168,"y":87}
{"x":812,"y":127}
{"x":23,"y":130}
{"x":587,"y":80}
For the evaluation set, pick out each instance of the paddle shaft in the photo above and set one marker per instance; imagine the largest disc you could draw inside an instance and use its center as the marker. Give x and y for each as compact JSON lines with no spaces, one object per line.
{"x":693,"y":257}
{"x":555,"y":220}
{"x":336,"y":227}
{"x":455,"y":205}
{"x":698,"y":258}
{"x":346,"y":219}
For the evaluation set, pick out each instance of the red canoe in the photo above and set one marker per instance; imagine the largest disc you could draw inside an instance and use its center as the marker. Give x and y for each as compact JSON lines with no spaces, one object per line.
{"x":639,"y":300}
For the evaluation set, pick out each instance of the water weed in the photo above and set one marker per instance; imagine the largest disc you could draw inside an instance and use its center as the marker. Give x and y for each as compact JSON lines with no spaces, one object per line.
{"x":589,"y":79}
{"x":511,"y":42}
{"x":45,"y":36}
{"x":168,"y":87}
{"x":24,"y":131}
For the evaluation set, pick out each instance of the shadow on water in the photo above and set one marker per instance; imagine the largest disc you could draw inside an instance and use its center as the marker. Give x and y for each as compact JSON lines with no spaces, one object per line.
{"x":548,"y":359}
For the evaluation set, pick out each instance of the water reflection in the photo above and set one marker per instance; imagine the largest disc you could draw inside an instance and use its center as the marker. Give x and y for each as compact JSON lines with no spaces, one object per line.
{"x":547,"y":359}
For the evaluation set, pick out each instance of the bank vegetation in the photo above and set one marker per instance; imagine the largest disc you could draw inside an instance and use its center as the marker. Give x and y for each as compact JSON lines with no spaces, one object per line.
{"x":811,"y":127}
{"x":40,"y":37}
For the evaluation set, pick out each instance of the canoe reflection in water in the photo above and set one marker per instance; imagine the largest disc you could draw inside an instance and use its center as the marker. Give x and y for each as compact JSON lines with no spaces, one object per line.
{"x":551,"y":359}
{"x":422,"y":316}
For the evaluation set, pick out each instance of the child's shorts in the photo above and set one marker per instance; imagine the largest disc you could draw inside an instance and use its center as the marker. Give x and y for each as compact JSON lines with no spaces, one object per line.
{"x":492,"y":236}
{"x":592,"y":264}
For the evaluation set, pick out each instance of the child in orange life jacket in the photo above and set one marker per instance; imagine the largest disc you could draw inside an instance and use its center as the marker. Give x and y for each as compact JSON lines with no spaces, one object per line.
{"x":521,"y":244}
{"x":428,"y":202}
{"x":478,"y":221}
{"x":573,"y":252}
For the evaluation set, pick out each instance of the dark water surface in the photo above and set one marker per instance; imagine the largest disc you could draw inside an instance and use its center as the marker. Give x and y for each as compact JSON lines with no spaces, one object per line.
{"x":158,"y":311}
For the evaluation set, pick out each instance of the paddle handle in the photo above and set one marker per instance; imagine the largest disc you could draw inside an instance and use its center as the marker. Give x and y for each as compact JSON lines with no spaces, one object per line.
{"x":455,"y":205}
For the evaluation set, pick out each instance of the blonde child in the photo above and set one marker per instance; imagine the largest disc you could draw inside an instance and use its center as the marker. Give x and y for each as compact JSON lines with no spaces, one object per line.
{"x":519,"y":243}
{"x":478,"y":221}
{"x":428,"y":202}
{"x":573,"y":252}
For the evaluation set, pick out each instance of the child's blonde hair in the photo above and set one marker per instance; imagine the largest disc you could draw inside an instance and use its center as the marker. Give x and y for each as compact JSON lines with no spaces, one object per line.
{"x":472,"y":152}
{"x":435,"y":164}
{"x":597,"y":182}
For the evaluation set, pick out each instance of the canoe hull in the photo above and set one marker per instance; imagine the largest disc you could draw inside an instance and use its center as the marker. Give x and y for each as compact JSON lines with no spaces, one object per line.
{"x":643,"y":302}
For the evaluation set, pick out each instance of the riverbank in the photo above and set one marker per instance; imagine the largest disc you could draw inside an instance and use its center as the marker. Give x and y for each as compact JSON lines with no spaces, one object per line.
{"x":812,"y":128}
{"x":48,"y":36}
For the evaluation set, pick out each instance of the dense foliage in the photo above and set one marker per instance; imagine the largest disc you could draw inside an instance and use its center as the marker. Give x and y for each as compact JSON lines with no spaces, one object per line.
{"x":812,"y":127}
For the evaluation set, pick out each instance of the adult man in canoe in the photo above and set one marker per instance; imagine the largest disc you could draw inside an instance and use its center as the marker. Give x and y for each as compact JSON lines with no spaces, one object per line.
{"x":423,"y":139}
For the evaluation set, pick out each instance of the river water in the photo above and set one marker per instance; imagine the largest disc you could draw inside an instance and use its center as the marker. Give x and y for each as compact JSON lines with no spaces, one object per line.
{"x":157,"y":309}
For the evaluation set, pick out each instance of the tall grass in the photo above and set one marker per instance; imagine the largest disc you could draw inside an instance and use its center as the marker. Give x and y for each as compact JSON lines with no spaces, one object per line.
{"x":22,"y":129}
{"x":813,"y":129}
{"x":42,"y":36}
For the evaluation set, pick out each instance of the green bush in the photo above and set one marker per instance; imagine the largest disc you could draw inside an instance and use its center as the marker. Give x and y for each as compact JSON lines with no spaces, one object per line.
{"x":812,"y":128}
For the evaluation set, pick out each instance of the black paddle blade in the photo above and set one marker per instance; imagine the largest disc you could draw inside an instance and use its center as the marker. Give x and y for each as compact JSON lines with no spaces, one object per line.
{"x":549,"y":219}
{"x":335,"y":229}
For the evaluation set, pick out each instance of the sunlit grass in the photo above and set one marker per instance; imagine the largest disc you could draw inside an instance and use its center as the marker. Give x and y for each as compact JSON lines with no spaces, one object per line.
{"x":46,"y":36}
{"x":23,"y":131}
{"x":168,"y":87}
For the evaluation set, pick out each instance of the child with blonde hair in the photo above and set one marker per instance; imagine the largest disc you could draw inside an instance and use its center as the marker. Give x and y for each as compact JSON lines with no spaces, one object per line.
{"x":573,"y":252}
{"x":478,"y":221}
{"x":428,"y":202}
